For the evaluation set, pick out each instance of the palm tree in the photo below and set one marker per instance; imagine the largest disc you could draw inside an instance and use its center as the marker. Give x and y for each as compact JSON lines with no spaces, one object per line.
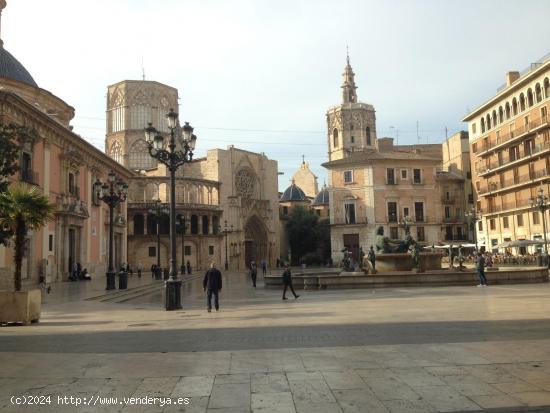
{"x":23,"y":208}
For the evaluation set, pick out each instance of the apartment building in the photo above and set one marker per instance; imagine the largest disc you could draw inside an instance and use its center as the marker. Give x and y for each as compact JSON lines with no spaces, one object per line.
{"x":510,"y":148}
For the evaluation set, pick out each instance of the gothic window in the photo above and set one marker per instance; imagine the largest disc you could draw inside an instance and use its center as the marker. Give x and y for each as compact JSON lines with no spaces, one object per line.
{"x":369,"y":143}
{"x":117,"y":119}
{"x":151,"y":224}
{"x":116,"y":152}
{"x":482,"y":125}
{"x":546,"y":88}
{"x":514,"y":107}
{"x":245,"y":183}
{"x":507,"y":109}
{"x":205,"y":225}
{"x":522,"y":102}
{"x":335,"y":138}
{"x":139,"y":116}
{"x":538,"y":92}
{"x":139,"y":158}
{"x":530,"y":97}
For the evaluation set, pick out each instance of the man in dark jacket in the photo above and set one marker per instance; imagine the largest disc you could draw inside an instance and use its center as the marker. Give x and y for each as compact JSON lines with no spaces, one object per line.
{"x":480,"y":267}
{"x":253,"y":273}
{"x":212,"y":284}
{"x":287,"y":282}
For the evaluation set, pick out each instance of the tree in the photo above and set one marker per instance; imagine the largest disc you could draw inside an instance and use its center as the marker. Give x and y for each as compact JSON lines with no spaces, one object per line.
{"x":23,"y":208}
{"x":10,"y":147}
{"x":302,"y":232}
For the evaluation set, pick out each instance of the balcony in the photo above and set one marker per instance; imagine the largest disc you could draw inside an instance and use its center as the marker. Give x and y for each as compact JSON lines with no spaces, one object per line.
{"x":507,"y":206}
{"x":448,"y":200}
{"x":393,"y":219}
{"x":452,"y":220}
{"x":342,"y":221}
{"x":418,"y":182}
{"x":29,"y":176}
{"x":506,"y":161}
{"x":456,"y":237}
{"x":518,"y":133}
{"x":507,"y":184}
{"x":74,"y":191}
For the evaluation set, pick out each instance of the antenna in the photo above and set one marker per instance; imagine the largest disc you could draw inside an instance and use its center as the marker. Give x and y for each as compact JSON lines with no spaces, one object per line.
{"x":417,"y":135}
{"x":445,"y":132}
{"x":303,"y":159}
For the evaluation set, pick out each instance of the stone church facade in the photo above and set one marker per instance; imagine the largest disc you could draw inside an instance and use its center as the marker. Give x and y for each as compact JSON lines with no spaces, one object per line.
{"x":225,"y":200}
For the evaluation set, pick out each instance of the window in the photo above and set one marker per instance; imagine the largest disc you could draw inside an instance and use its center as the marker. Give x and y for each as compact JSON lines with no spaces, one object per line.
{"x":335,"y":138}
{"x":417,"y":176}
{"x":352,"y":139}
{"x":470,"y":198}
{"x":536,"y":218}
{"x":348,"y":177}
{"x":403,"y":174}
{"x":210,"y":250}
{"x":50,"y":243}
{"x":492,"y":224}
{"x":420,"y":236}
{"x":406,"y":211}
{"x":139,"y":158}
{"x":349,"y":210}
{"x":544,"y":112}
{"x":369,"y":142}
{"x":520,"y":220}
{"x":139,"y":116}
{"x":318,"y":212}
{"x":474,"y":147}
{"x":458,"y":213}
{"x":26,"y":167}
{"x":521,"y":102}
{"x":447,"y":212}
{"x":419,"y":211}
{"x":194,"y":224}
{"x":473,"y":127}
{"x":117,"y":119}
{"x":505,"y":223}
{"x":480,"y":225}
{"x":116,"y":152}
{"x":205,"y":225}
{"x":138,"y":224}
{"x":459,"y":233}
{"x":285,"y":210}
{"x":151,"y":224}
{"x":394,"y":233}
{"x":390,"y":175}
{"x":152,"y":251}
{"x":188,"y":250}
{"x":392,"y":211}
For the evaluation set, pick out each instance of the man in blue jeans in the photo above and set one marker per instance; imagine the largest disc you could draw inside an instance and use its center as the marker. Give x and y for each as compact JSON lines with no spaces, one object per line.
{"x":212,"y":284}
{"x":480,"y":267}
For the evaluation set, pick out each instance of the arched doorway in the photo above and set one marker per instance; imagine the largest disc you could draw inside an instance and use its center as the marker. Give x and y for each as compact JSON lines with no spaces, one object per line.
{"x":255,"y":241}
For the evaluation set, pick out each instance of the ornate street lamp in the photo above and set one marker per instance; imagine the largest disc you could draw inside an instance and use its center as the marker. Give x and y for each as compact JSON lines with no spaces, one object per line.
{"x":112,"y":193}
{"x":474,"y":217}
{"x":225,"y":231}
{"x":158,"y":210}
{"x":540,"y":202}
{"x":173,"y":159}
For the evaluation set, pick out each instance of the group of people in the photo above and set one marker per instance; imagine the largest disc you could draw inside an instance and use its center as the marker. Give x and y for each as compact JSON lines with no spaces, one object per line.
{"x":79,"y":273}
{"x":212,"y":282}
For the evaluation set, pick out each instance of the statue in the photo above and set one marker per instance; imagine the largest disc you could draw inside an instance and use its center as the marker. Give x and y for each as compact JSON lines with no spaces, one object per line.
{"x":388,"y":246}
{"x":361,"y":257}
{"x":346,"y":261}
{"x":415,"y":251}
{"x":460,"y":258}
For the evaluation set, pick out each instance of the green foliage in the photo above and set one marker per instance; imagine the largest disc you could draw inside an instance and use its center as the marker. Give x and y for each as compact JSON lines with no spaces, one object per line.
{"x":10,"y":147}
{"x":23,"y":208}
{"x":309,"y":238}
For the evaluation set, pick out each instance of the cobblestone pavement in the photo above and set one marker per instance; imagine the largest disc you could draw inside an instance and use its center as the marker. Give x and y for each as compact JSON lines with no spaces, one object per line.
{"x":395,"y":350}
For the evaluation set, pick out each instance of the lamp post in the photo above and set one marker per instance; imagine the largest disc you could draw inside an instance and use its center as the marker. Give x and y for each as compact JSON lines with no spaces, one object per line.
{"x":540,"y":202}
{"x":157,"y":211}
{"x":226,"y":231}
{"x":112,"y":193}
{"x":173,"y":158}
{"x":474,"y":217}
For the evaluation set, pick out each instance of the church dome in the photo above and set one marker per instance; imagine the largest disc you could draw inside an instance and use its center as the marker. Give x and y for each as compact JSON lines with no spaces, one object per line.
{"x":321,"y":198}
{"x":293,"y":193}
{"x":10,"y":68}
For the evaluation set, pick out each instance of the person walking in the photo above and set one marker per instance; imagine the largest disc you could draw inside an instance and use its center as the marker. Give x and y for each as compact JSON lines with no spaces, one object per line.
{"x":372,"y":258}
{"x":480,"y":267}
{"x":153,"y":270}
{"x":139,"y":269}
{"x":188,"y":267}
{"x":264,"y":267}
{"x":253,"y":273}
{"x":212,"y":284}
{"x":287,"y":282}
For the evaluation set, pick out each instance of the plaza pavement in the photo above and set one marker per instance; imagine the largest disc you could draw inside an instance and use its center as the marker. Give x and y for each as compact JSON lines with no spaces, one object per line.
{"x":445,"y":349}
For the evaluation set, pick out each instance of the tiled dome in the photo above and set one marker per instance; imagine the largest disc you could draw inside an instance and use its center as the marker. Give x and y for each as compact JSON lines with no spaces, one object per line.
{"x":322,"y":197}
{"x":293,"y":193}
{"x":10,"y":68}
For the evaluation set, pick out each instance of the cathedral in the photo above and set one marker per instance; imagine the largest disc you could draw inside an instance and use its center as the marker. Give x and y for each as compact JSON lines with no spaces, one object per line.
{"x":226,"y":202}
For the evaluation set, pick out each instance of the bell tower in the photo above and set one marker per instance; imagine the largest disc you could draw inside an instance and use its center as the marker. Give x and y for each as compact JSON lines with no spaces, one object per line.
{"x":351,"y":126}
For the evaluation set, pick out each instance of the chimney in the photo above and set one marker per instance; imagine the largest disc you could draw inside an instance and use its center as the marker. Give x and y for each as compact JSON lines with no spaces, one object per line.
{"x":511,"y":77}
{"x":385,"y":144}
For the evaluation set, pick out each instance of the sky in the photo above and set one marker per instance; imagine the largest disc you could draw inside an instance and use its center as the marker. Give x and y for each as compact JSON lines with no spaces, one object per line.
{"x":261,"y":74}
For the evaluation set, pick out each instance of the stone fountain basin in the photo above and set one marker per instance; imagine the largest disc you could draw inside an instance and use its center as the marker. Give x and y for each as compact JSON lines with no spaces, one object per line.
{"x":404,"y":261}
